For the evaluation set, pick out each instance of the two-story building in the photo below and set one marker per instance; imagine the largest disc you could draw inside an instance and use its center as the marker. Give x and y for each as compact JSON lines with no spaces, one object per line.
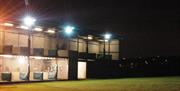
{"x":53,"y":55}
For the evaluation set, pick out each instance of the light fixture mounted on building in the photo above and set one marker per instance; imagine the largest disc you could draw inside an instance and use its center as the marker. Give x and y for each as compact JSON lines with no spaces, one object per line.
{"x":38,"y":29}
{"x":51,"y":31}
{"x":7,"y":24}
{"x":23,"y":27}
{"x":90,"y":37}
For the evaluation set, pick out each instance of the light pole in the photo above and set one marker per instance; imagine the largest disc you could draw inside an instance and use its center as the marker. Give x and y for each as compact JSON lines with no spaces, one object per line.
{"x":68,"y":30}
{"x":107,"y":38}
{"x":72,"y":65}
{"x":87,"y":49}
{"x":29,"y":21}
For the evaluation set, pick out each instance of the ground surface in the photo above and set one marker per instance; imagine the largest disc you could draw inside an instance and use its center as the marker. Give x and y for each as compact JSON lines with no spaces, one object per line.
{"x":121,"y":84}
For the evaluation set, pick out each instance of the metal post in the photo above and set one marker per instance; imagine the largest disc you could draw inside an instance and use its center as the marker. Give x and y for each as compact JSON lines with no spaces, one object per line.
{"x":68,"y":43}
{"x":87,"y":49}
{"x":119,"y":49}
{"x":4,"y":40}
{"x":57,"y":45}
{"x":57,"y":48}
{"x":29,"y":41}
{"x":78,"y":45}
{"x":3,"y":47}
{"x":104,"y":50}
{"x":29,"y":52}
{"x":108,"y":47}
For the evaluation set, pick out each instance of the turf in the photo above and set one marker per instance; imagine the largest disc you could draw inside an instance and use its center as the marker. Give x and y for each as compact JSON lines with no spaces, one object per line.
{"x":121,"y":84}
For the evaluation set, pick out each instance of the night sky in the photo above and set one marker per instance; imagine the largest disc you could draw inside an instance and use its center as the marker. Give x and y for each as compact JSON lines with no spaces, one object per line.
{"x":148,"y":27}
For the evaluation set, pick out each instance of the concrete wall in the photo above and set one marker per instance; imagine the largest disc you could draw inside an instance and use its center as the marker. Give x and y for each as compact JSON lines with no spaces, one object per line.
{"x":114,"y":48}
{"x":82,"y":46}
{"x":93,"y":47}
{"x":23,"y":40}
{"x":62,"y":68}
{"x":1,"y":41}
{"x":11,"y":39}
{"x":1,"y":66}
{"x":73,"y":44}
{"x":19,"y":39}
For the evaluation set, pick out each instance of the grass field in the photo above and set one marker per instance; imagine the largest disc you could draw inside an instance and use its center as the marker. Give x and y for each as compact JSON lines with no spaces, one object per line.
{"x":121,"y":84}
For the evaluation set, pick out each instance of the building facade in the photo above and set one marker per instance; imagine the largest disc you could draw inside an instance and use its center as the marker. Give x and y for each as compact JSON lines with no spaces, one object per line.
{"x":51,"y":57}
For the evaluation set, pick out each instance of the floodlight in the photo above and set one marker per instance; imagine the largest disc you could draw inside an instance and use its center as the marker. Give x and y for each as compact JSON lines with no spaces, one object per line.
{"x":29,"y":21}
{"x":69,"y":29}
{"x":8,"y":24}
{"x":38,"y":29}
{"x":90,"y":37}
{"x":107,"y":36}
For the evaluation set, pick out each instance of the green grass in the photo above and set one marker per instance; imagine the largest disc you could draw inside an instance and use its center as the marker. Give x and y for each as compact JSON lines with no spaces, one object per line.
{"x":121,"y":84}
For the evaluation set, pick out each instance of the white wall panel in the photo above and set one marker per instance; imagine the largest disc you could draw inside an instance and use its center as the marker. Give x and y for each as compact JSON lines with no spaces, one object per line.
{"x":93,"y":47}
{"x":23,"y":40}
{"x":37,"y":42}
{"x":63,"y":68}
{"x":82,"y":70}
{"x":1,"y":42}
{"x":11,"y":39}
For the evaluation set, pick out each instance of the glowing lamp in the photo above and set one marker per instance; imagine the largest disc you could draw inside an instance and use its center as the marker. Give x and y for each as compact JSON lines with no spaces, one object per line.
{"x":38,"y":29}
{"x":29,"y":21}
{"x":90,"y":37}
{"x":51,"y":31}
{"x":107,"y":36}
{"x":8,"y":24}
{"x":69,"y":29}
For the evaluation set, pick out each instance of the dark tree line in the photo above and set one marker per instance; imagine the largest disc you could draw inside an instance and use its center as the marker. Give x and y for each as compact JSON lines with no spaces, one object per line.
{"x":134,"y":67}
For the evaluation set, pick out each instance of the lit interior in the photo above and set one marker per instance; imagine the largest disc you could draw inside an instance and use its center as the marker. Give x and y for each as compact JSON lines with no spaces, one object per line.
{"x":82,"y":70}
{"x":48,"y":66}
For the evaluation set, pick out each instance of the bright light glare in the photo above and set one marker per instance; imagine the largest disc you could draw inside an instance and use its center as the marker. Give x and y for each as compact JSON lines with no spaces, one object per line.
{"x":29,"y":21}
{"x":38,"y":29}
{"x":107,"y":36}
{"x":69,"y":29}
{"x":21,"y":60}
{"x":51,"y":31}
{"x":23,"y":27}
{"x":8,"y":24}
{"x":7,"y":56}
{"x":90,"y":37}
{"x":106,"y":40}
{"x":38,"y":57}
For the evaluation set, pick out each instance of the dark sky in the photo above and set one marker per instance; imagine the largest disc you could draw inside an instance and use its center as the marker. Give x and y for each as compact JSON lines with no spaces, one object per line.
{"x":150,"y":27}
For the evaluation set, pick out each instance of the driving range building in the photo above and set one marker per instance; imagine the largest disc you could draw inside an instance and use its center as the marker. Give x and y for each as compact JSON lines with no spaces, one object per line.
{"x":50,"y":54}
